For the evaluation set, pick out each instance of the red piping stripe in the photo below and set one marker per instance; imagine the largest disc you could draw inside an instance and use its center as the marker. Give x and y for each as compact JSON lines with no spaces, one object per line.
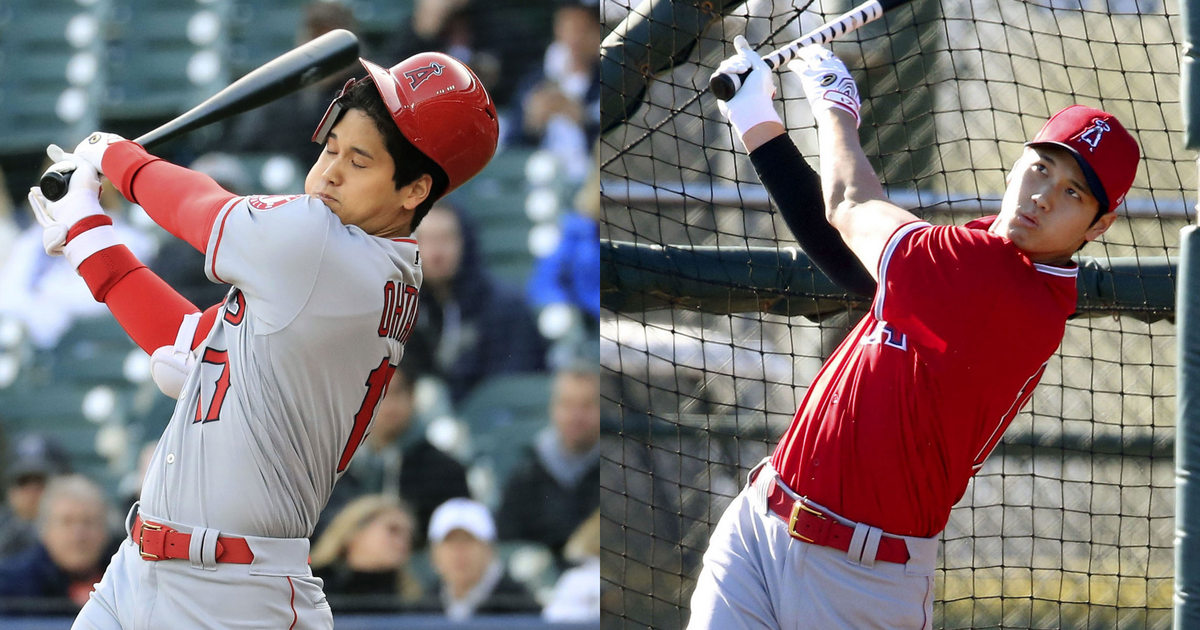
{"x":405,"y":240}
{"x":295,"y":617}
{"x":217,"y":247}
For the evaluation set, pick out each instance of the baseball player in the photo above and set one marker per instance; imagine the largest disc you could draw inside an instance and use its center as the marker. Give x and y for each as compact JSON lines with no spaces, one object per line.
{"x":279,"y":384}
{"x":838,"y":529}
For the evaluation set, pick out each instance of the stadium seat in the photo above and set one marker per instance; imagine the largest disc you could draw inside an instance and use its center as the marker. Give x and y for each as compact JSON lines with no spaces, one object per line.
{"x":503,"y":447}
{"x":42,"y":406}
{"x":92,"y":351}
{"x":34,"y":54}
{"x":146,"y":58}
{"x":102,"y":329}
{"x":507,"y":399}
{"x":260,"y":30}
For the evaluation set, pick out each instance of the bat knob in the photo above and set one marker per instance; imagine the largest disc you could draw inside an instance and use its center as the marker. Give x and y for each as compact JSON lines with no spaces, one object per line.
{"x":54,"y":184}
{"x":723,"y":86}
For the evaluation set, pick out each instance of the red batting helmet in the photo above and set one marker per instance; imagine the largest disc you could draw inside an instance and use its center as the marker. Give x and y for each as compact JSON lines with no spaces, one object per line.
{"x":441,"y":108}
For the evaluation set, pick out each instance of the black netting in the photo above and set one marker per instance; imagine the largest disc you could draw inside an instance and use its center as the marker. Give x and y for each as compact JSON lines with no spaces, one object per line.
{"x":1070,"y":522}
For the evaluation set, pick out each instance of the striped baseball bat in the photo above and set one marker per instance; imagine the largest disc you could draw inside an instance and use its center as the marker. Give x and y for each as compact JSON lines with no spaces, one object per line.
{"x":724,"y":86}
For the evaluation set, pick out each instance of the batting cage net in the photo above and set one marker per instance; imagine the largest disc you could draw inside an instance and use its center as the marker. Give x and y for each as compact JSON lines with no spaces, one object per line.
{"x":716,"y":324}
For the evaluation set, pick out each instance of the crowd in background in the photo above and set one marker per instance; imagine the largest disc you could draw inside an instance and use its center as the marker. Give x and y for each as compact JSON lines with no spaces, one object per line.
{"x":408,"y":527}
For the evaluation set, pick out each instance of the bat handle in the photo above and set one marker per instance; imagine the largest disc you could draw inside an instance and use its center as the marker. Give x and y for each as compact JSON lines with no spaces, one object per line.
{"x":724,"y":86}
{"x":54,"y":183}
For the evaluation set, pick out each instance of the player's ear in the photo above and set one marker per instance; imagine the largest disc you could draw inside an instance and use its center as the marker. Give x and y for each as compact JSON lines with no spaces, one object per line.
{"x":418,"y":191}
{"x":1100,"y":226}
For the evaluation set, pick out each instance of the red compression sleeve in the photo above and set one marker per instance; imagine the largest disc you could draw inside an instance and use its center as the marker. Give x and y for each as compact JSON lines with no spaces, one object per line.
{"x":145,"y":306}
{"x":184,"y":202}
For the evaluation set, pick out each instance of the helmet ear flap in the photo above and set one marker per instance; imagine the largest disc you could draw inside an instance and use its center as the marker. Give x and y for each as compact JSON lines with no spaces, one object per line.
{"x":331,"y":115}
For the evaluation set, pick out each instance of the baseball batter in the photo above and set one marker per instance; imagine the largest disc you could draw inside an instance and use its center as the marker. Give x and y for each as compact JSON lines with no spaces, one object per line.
{"x":278,"y":385}
{"x":838,"y":529}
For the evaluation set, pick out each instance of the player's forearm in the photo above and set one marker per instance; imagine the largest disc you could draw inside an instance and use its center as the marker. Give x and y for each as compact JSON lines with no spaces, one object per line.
{"x":846,"y":175}
{"x":796,"y":190}
{"x":147,"y":308}
{"x":184,"y":202}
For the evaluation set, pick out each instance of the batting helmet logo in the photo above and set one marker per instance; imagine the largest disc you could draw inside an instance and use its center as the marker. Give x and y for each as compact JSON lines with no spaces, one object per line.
{"x":417,"y":76}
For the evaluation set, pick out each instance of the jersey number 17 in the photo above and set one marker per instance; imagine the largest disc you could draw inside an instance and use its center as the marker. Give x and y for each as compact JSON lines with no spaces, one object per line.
{"x":377,"y":383}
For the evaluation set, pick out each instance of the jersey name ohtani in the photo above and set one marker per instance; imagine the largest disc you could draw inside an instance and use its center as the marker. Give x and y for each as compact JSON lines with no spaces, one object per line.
{"x":399,"y":311}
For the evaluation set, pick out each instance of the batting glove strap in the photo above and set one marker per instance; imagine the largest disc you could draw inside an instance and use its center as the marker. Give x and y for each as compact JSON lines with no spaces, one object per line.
{"x":827,"y":84}
{"x":93,"y":147}
{"x":97,"y":239}
{"x":752,"y":105}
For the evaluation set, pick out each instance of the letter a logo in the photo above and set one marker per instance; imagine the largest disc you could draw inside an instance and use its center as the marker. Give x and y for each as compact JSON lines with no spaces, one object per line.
{"x":417,"y":76}
{"x":1093,"y":134}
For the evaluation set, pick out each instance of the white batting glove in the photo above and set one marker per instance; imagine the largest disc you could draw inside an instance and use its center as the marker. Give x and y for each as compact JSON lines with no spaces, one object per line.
{"x":753,"y":104}
{"x":81,"y":201}
{"x":93,"y":147}
{"x":827,"y":83}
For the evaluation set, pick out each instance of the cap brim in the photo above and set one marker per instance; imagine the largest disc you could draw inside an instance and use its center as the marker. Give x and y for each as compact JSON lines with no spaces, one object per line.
{"x":1089,"y":174}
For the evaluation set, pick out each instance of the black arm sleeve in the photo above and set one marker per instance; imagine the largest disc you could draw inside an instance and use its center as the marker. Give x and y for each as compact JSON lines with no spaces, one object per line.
{"x":796,"y":190}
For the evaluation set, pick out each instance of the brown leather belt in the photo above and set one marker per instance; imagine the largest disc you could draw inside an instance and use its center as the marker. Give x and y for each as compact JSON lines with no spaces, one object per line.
{"x":815,"y":527}
{"x":159,"y":542}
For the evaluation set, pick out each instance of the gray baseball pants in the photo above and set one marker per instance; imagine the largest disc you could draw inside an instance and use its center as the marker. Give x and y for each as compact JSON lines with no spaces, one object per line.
{"x":756,"y":576}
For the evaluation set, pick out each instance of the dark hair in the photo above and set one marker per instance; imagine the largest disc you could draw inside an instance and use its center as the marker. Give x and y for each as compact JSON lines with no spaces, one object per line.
{"x":410,"y":163}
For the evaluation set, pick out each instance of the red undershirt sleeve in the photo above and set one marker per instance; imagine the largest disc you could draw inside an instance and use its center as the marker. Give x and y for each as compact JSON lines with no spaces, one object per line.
{"x":184,"y":202}
{"x":149,"y":310}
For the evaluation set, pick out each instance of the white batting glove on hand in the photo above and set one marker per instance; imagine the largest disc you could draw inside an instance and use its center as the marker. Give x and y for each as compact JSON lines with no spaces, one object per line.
{"x":93,"y":147}
{"x":753,"y":104}
{"x":81,"y":201}
{"x":827,"y":83}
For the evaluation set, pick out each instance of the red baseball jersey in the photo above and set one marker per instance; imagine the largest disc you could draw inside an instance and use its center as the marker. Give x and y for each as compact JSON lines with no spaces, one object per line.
{"x":919,"y":393}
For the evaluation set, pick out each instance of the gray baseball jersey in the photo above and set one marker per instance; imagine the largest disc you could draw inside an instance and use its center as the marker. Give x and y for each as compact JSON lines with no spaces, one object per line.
{"x":287,"y":382}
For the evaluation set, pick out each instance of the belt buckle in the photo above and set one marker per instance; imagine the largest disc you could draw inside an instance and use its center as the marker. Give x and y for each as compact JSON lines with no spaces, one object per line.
{"x":141,"y":539}
{"x":796,"y":507}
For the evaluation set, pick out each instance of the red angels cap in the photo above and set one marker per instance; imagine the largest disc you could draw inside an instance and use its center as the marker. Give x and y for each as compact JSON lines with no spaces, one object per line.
{"x":1106,"y":152}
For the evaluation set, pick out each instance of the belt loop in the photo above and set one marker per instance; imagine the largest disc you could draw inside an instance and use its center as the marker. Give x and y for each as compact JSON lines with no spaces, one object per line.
{"x":202,"y":551}
{"x":130,"y":517}
{"x":760,"y":486}
{"x":871,"y":547}
{"x":750,"y":475}
{"x":855,"y":552}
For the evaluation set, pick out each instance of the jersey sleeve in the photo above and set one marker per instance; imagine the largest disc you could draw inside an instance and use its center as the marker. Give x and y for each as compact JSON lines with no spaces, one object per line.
{"x":270,"y":247}
{"x":936,"y":282}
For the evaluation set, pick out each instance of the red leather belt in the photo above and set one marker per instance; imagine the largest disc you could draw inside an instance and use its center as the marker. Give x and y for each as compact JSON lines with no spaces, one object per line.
{"x":815,"y":527}
{"x":159,"y":542}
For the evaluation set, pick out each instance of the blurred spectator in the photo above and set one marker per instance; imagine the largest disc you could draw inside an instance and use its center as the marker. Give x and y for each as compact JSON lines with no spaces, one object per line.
{"x":35,"y":461}
{"x":410,"y":469}
{"x":577,"y":593}
{"x":557,"y":485}
{"x":448,"y":26}
{"x":560,"y":102}
{"x":472,"y":325}
{"x":473,"y":579}
{"x":181,"y":265}
{"x":500,"y":39}
{"x":365,"y":551}
{"x":286,"y":126}
{"x":44,"y":293}
{"x":570,"y":275}
{"x":73,"y":548}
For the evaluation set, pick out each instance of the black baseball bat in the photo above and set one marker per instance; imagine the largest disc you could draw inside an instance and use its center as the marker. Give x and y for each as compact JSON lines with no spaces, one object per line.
{"x":302,"y":66}
{"x":724,"y":86}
